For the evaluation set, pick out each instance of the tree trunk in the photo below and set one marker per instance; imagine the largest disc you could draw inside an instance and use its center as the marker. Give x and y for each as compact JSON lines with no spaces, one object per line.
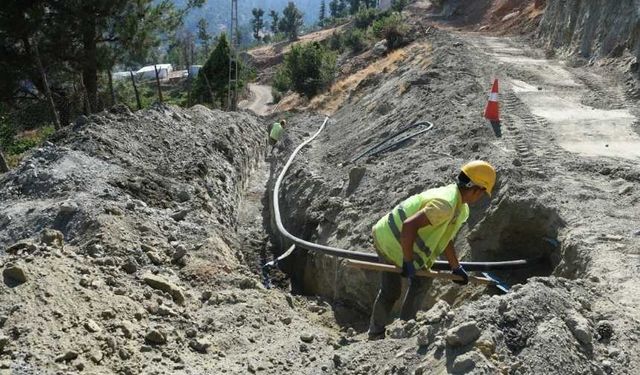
{"x":3,"y":164}
{"x":158,"y":83}
{"x":135,"y":89}
{"x":90,"y":63}
{"x":85,"y":97}
{"x":45,"y":83}
{"x":213,"y":98}
{"x":113,"y":93}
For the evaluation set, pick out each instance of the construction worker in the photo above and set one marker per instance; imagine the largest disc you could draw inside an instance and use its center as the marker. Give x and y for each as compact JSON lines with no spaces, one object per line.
{"x":416,"y":232}
{"x":276,"y":130}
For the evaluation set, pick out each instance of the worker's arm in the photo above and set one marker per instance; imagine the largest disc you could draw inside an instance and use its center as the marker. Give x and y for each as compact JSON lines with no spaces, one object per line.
{"x":450,"y":254}
{"x":456,"y":268}
{"x":409,"y":232}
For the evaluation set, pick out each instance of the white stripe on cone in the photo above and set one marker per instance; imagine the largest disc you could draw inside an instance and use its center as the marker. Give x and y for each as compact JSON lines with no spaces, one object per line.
{"x":493,"y":97}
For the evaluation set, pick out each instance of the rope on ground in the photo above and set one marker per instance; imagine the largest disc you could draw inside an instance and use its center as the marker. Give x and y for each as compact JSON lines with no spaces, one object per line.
{"x":370,"y":257}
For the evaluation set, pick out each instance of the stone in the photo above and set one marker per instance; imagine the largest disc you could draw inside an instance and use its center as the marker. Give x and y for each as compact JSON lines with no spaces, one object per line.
{"x":579,"y":327}
{"x":52,"y":237}
{"x":165,"y":311}
{"x":463,"y":334}
{"x":200,"y":345}
{"x":67,"y":356}
{"x":4,"y":341}
{"x":92,"y":326}
{"x":184,"y":195}
{"x":425,"y":335}
{"x":124,"y":353}
{"x":435,"y":314}
{"x":179,"y":253}
{"x":155,"y":337}
{"x":113,"y":210}
{"x":95,"y":250}
{"x":307,"y":337}
{"x":466,"y":362}
{"x":380,"y":48}
{"x":155,"y":258}
{"x":22,"y":247}
{"x":486,"y":345}
{"x":14,"y":275}
{"x":604,"y":329}
{"x":130,"y":266}
{"x":159,"y":283}
{"x":127,"y":328}
{"x":286,"y":320}
{"x":355,"y":177}
{"x":191,"y":332}
{"x":179,"y":215}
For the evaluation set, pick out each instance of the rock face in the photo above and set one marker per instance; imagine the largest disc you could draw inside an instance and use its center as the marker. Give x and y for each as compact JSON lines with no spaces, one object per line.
{"x":591,"y":29}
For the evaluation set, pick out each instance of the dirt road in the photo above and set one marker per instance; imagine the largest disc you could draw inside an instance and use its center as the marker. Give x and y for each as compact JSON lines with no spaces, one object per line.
{"x":586,"y":114}
{"x":260,"y":99}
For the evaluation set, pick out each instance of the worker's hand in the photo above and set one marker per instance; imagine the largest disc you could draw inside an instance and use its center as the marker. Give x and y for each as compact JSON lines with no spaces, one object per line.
{"x":408,"y":270}
{"x":462,"y":273}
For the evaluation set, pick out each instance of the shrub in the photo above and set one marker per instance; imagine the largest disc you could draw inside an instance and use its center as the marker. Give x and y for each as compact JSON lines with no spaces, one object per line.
{"x":392,"y":29}
{"x":309,"y":68}
{"x":355,"y":39}
{"x":281,"y":81}
{"x":365,"y":17}
{"x":335,"y":42}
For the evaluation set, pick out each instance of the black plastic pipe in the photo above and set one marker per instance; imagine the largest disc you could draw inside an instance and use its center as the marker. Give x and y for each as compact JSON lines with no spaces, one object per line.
{"x":371,"y":257}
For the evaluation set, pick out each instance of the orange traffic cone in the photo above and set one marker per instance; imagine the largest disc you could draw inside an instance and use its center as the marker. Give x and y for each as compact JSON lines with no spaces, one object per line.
{"x":492,"y":111}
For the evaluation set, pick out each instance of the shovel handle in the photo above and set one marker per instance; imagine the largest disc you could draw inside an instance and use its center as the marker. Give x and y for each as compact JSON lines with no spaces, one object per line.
{"x":422,"y":273}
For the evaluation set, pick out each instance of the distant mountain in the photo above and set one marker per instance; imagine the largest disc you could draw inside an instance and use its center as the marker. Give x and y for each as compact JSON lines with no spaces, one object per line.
{"x":218,"y":12}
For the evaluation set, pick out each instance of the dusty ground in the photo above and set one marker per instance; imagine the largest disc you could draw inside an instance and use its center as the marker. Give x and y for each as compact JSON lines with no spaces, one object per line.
{"x":260,"y":102}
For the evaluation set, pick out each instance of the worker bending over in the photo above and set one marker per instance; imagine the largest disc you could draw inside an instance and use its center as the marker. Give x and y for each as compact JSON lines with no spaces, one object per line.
{"x":276,"y":130}
{"x":416,"y":232}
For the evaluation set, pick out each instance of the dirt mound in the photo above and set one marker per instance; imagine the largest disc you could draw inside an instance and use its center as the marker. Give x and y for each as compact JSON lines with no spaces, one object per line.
{"x":120,"y":251}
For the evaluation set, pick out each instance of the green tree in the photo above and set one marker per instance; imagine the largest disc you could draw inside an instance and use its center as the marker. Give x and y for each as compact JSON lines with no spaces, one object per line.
{"x":86,"y":37}
{"x":323,"y":12}
{"x":334,"y":8}
{"x":342,"y":8}
{"x":291,"y":21}
{"x":204,"y":36}
{"x":354,"y":6}
{"x":257,"y":23}
{"x":275,"y":17}
{"x":213,"y":78}
{"x":399,"y":5}
{"x":307,"y":69}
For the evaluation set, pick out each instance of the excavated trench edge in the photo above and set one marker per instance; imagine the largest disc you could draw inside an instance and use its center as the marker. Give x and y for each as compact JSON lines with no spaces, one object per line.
{"x":369,"y":257}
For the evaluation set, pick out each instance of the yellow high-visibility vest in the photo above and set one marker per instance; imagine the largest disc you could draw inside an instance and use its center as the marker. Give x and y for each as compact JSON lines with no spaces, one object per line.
{"x":276,"y":131}
{"x":432,"y":239}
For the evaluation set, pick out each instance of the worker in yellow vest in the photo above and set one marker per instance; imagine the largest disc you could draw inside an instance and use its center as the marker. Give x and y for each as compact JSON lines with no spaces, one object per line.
{"x":416,"y":232}
{"x":276,"y":131}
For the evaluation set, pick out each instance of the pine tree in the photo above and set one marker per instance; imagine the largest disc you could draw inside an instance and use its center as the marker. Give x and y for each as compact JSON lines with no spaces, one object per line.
{"x":257,"y":23}
{"x":342,"y":8}
{"x":203,"y":35}
{"x":275,"y":17}
{"x":322,"y":15}
{"x":334,"y":8}
{"x":216,"y":69}
{"x":291,"y":21}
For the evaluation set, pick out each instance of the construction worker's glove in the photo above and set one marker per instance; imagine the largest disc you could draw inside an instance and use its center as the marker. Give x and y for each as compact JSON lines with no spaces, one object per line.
{"x":408,"y":270}
{"x":462,"y":273}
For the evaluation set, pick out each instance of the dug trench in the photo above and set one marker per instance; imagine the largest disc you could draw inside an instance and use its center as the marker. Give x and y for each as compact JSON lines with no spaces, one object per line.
{"x":509,"y":230}
{"x":327,"y":199}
